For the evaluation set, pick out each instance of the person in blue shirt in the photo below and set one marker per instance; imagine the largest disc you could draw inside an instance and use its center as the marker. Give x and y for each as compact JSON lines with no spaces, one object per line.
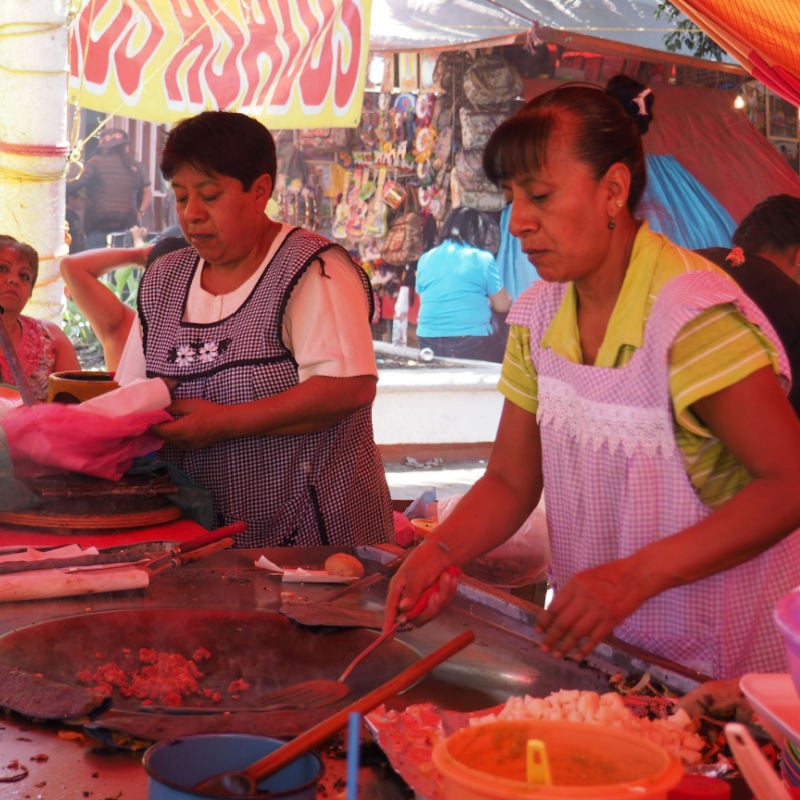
{"x":460,"y":285}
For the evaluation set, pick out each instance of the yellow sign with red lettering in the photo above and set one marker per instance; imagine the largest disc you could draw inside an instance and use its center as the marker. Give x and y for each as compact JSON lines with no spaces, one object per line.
{"x":289,"y":63}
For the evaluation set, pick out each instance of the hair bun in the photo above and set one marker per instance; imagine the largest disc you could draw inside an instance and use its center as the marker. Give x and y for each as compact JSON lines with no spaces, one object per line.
{"x":636,"y":98}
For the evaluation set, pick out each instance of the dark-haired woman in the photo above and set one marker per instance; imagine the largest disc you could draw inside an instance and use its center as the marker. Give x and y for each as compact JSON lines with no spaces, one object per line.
{"x":460,"y":285}
{"x":645,"y":394}
{"x":265,"y":329}
{"x":42,"y":347}
{"x":765,"y":262}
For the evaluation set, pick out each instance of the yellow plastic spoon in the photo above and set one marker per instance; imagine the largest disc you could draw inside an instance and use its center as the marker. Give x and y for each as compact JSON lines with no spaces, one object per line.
{"x":536,"y":763}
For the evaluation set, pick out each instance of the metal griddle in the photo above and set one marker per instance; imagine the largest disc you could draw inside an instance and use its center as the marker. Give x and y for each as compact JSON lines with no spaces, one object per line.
{"x":266,"y":649}
{"x":227,"y":600}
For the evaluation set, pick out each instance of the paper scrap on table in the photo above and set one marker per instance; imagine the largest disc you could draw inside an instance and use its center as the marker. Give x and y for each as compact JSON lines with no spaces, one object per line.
{"x":68,"y":551}
{"x":264,"y":563}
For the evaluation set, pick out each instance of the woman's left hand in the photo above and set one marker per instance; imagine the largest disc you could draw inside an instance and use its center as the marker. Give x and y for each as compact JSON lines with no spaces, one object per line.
{"x":589,"y":606}
{"x":197,"y":423}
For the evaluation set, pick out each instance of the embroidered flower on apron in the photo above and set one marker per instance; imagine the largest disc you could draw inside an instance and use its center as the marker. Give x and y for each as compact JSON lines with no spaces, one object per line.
{"x":204,"y":352}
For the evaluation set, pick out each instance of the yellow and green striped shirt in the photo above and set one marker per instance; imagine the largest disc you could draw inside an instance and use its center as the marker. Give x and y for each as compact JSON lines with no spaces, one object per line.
{"x":718,"y":348}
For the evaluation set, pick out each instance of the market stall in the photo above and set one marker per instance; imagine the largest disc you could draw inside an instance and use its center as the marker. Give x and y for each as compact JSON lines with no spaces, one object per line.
{"x":242,"y":615}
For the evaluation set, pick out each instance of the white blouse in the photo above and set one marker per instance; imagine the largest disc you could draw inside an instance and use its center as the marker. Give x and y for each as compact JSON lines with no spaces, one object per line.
{"x":326,"y":324}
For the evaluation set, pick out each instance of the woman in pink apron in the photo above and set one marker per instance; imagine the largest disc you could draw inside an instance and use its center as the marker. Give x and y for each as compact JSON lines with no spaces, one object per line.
{"x":645,"y":398}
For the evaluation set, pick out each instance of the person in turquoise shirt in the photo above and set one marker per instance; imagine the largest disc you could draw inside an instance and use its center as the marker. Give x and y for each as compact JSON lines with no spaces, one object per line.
{"x":460,"y":285}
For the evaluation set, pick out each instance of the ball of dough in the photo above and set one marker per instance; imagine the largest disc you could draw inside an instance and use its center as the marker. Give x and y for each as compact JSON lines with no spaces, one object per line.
{"x":345,"y":565}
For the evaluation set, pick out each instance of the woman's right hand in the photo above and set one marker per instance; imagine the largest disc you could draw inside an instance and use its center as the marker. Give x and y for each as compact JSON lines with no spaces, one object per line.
{"x":197,"y":423}
{"x":428,"y":566}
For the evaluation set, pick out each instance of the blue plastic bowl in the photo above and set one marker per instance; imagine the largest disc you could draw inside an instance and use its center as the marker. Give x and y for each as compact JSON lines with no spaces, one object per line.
{"x":176,"y":765}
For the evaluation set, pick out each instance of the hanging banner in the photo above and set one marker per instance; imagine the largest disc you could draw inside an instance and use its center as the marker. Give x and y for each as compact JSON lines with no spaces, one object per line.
{"x":289,"y":63}
{"x":760,"y":34}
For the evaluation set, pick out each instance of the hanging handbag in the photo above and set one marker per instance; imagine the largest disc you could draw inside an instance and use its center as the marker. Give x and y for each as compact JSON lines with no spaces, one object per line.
{"x":404,"y":241}
{"x":449,"y":70}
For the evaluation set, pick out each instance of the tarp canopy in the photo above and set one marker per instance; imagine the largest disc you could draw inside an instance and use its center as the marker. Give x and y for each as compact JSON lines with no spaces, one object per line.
{"x":419,"y":24}
{"x":760,"y":34}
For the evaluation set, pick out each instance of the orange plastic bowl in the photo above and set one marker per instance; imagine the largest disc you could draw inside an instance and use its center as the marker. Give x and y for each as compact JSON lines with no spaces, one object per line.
{"x":488,"y":762}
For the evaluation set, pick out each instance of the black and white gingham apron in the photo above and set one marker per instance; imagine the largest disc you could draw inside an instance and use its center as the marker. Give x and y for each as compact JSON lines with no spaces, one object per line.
{"x":327,"y":487}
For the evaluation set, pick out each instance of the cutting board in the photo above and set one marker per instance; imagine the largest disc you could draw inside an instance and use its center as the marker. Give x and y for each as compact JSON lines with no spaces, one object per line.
{"x":178,"y":531}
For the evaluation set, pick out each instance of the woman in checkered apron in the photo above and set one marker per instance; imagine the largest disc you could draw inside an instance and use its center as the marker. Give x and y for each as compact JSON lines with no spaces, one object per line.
{"x":645,"y":397}
{"x":264,"y":329}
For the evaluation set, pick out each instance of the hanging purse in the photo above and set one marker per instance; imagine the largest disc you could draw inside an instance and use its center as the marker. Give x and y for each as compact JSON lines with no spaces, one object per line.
{"x":404,"y":243}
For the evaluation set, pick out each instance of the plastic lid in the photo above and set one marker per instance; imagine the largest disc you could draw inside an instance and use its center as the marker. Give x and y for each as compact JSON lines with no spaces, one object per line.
{"x":700,"y":787}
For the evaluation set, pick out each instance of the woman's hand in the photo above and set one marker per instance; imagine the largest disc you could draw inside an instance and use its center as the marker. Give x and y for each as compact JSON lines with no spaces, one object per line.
{"x":197,"y":423}
{"x":428,"y":566}
{"x":589,"y":606}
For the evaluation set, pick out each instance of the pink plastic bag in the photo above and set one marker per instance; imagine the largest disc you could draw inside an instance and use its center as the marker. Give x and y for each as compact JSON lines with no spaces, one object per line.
{"x":54,"y":437}
{"x":519,"y":561}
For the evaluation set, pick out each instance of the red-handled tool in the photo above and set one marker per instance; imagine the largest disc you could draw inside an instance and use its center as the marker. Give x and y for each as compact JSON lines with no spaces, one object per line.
{"x":244,"y":782}
{"x":414,"y":611}
{"x":320,"y":691}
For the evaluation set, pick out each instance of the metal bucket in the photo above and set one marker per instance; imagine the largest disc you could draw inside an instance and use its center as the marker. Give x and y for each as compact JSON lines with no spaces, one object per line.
{"x":174,"y":766}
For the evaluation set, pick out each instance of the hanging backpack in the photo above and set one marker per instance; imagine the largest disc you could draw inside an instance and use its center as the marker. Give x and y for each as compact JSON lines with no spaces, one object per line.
{"x":492,"y":82}
{"x":404,"y":241}
{"x":469,"y":185}
{"x":449,"y":71}
{"x":478,"y":126}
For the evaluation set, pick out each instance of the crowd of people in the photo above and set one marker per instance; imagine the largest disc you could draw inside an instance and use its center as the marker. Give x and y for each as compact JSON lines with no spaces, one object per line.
{"x":627,"y":371}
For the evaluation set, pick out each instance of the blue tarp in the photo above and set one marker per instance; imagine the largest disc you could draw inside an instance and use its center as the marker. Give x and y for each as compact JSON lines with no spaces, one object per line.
{"x":679,"y":206}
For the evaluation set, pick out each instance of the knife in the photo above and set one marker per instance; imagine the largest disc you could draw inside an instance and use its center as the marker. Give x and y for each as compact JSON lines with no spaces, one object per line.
{"x":122,"y":557}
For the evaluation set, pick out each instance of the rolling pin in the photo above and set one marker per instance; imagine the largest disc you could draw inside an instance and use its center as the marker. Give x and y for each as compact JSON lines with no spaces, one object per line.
{"x":46,"y":583}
